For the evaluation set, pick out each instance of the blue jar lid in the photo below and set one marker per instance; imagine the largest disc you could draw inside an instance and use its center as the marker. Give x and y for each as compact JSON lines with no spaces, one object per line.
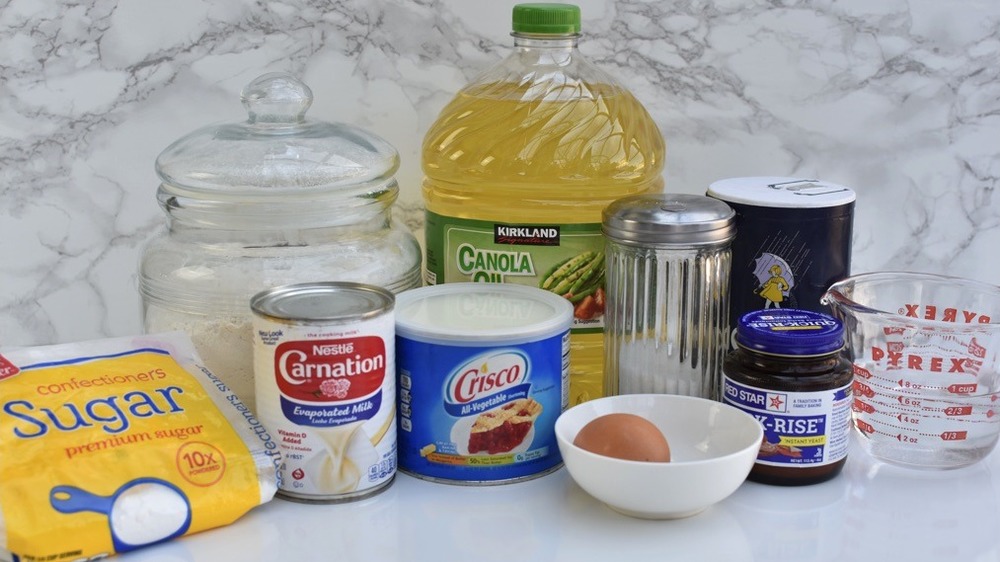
{"x":789,"y":331}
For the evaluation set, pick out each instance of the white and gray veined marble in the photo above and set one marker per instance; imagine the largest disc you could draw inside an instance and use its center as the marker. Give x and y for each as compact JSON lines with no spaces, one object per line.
{"x":899,"y":99}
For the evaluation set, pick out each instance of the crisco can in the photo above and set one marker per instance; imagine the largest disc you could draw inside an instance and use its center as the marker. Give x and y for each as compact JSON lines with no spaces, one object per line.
{"x":793,"y":240}
{"x":324,"y":365}
{"x":483,"y":375}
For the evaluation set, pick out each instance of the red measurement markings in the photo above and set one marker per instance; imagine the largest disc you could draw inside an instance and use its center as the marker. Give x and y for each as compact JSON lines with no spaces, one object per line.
{"x":967,"y":388}
{"x":976,"y":349}
{"x":954,"y":435}
{"x":862,"y":372}
{"x":864,"y":426}
{"x":862,"y":389}
{"x":959,"y":411}
{"x":859,"y":406}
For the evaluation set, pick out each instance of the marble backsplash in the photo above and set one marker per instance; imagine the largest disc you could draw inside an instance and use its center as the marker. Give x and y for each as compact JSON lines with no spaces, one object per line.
{"x":899,"y":99}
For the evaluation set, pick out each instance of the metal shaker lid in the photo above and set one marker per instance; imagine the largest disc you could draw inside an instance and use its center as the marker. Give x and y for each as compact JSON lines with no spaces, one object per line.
{"x":669,"y":218}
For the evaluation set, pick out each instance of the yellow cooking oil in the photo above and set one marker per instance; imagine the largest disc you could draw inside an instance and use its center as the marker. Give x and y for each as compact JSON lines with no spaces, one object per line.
{"x":522,"y":170}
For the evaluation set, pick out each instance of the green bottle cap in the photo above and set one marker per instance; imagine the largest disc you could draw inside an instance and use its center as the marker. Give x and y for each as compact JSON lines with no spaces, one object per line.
{"x":547,"y":19}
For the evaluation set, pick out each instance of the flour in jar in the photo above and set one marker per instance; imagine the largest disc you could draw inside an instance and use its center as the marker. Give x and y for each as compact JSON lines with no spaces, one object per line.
{"x":324,"y":360}
{"x":224,"y":343}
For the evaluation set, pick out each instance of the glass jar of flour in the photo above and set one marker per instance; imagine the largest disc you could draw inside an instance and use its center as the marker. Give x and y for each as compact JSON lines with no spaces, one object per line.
{"x":274,"y":200}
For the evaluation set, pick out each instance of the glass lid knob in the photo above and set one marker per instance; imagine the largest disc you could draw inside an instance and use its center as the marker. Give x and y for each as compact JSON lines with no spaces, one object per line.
{"x":277,"y":98}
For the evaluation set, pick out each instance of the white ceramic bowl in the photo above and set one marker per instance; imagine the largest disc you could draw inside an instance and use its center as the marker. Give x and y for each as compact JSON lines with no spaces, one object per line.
{"x":712,"y":449}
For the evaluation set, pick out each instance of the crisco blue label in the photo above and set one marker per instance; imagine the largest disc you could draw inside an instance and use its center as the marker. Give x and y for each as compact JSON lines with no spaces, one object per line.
{"x":480,"y":412}
{"x":486,"y":381}
{"x":800,"y":428}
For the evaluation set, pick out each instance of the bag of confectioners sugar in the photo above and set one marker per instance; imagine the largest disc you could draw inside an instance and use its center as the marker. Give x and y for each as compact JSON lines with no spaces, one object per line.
{"x":111,"y":445}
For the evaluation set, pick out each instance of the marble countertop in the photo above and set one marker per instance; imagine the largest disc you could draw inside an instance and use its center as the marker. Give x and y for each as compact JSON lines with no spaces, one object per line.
{"x":898,"y":99}
{"x":871,"y":511}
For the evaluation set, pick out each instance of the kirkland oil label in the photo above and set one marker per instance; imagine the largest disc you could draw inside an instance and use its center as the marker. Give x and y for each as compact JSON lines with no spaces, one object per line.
{"x":567,"y":260}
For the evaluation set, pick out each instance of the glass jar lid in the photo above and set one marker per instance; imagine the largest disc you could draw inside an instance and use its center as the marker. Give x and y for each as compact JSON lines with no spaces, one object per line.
{"x":277,"y":153}
{"x":664,"y":218}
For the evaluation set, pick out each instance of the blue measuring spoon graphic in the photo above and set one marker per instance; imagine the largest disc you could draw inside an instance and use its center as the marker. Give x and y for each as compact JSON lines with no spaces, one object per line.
{"x":70,"y":499}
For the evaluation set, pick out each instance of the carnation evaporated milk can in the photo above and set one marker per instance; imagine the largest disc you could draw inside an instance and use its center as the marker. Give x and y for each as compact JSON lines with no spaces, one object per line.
{"x":793,"y":240}
{"x":324,"y":364}
{"x":483,"y":374}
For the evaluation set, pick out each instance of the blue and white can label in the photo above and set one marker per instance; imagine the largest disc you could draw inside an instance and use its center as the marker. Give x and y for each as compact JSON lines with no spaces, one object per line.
{"x":800,"y":428}
{"x":793,"y":241}
{"x":483,"y":373}
{"x":481,"y":413}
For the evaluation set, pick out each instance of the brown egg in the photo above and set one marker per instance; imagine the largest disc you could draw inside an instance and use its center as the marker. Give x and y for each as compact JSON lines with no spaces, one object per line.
{"x":624,"y":436}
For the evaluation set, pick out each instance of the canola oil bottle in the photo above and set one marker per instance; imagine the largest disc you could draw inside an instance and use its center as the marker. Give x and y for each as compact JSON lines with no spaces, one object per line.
{"x":518,"y":167}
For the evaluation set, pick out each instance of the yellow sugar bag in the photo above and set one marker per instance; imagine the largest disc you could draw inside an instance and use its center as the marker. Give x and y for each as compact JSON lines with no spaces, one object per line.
{"x":110,"y":445}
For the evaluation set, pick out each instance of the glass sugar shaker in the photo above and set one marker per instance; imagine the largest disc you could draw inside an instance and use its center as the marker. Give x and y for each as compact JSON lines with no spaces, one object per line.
{"x":277,"y":199}
{"x":666,"y":318}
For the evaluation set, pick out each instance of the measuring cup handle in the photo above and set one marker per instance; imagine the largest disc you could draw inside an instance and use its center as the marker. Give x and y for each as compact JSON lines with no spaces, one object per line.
{"x":70,"y":499}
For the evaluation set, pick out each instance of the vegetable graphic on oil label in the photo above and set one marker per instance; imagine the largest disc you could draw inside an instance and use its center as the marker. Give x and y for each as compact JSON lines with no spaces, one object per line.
{"x":580,"y":279}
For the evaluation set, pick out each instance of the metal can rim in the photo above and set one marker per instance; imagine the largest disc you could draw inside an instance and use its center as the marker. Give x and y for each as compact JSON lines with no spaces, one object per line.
{"x":759,"y":191}
{"x":560,"y":321}
{"x":263,"y":303}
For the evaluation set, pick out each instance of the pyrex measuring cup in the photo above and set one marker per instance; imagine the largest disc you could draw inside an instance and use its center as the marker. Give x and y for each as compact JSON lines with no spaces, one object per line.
{"x":925,"y":353}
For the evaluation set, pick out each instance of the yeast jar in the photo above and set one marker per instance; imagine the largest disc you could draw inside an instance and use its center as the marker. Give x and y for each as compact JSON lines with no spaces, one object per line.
{"x":788,"y":371}
{"x":273,"y":200}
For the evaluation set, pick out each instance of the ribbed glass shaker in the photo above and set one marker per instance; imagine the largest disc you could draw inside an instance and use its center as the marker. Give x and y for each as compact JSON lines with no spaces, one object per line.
{"x":666,"y":319}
